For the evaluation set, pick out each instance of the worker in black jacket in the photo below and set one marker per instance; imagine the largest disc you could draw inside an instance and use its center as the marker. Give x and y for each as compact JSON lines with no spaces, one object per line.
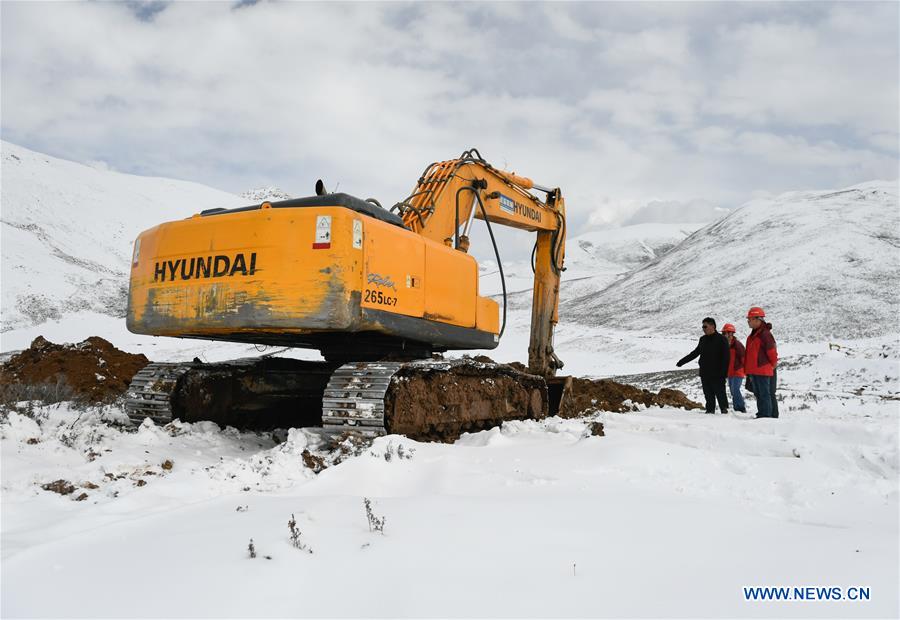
{"x":714,"y":358}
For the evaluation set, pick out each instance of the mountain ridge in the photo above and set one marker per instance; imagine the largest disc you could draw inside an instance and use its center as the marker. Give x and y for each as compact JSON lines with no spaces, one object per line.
{"x":817,"y":261}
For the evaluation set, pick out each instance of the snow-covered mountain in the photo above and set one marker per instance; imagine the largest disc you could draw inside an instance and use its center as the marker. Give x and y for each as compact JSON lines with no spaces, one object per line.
{"x":594,"y":260}
{"x":258,"y":194}
{"x":823,"y":264}
{"x":68,"y":229}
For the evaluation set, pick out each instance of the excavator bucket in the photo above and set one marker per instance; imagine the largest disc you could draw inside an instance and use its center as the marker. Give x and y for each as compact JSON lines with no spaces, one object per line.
{"x":559,"y":391}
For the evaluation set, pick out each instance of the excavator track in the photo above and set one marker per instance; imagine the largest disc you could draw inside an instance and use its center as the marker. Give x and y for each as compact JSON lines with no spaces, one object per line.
{"x":150,"y":393}
{"x":429,"y":399}
{"x":354,"y":398}
{"x":422,"y":399}
{"x":252,"y":393}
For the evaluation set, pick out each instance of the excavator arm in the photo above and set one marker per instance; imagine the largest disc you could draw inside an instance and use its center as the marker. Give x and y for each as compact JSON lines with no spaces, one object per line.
{"x":450,"y":194}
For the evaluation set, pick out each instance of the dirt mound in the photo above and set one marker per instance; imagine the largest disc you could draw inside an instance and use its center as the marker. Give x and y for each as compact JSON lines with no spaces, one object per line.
{"x":606,"y":395}
{"x":581,"y":395}
{"x":92,"y":371}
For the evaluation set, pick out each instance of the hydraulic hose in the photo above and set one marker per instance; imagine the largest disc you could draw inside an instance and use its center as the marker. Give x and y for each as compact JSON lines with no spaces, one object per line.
{"x":497,"y":255}
{"x":487,"y":221}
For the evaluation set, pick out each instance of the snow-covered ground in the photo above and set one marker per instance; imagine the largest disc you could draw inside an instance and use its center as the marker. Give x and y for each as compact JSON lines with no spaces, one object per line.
{"x":672,"y":513}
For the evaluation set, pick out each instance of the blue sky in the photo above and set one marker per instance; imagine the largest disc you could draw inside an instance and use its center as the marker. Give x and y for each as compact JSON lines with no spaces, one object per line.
{"x":638,"y":111}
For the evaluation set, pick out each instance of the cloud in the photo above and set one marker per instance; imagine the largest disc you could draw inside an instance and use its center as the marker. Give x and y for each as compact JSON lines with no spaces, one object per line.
{"x":621,"y":105}
{"x":840,"y":71}
{"x":675,"y":212}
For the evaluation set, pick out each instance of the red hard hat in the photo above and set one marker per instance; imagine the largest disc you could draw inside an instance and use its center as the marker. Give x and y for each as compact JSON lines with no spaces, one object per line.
{"x":728,"y":328}
{"x":756,"y":313}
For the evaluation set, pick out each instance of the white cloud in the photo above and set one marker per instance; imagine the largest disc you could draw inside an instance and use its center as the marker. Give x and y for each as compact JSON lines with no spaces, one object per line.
{"x":620,"y":105}
{"x":647,"y":48}
{"x":813,"y":74}
{"x":675,"y":211}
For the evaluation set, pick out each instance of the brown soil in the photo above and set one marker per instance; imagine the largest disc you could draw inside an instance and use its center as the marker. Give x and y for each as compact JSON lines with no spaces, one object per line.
{"x":606,"y":395}
{"x":63,"y":487}
{"x":440,"y":402}
{"x":314,"y":462}
{"x":94,"y":370}
{"x":587,"y":395}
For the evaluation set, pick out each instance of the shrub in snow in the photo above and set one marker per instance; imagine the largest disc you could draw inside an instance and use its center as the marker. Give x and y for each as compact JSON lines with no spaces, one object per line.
{"x":47,"y":392}
{"x":295,"y":536}
{"x":376,"y":524}
{"x":401,"y":452}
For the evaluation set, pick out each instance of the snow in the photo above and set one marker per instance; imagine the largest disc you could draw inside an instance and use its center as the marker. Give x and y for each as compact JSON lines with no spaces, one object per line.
{"x":259,"y":194}
{"x":671,"y":513}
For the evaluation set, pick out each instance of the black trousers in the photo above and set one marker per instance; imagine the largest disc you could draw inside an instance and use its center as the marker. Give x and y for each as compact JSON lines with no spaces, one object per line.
{"x":774,"y":385}
{"x":714,"y":390}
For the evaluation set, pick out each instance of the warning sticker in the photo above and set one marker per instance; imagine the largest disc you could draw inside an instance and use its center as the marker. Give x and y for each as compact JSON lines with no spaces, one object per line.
{"x":357,"y":234}
{"x":323,"y":232}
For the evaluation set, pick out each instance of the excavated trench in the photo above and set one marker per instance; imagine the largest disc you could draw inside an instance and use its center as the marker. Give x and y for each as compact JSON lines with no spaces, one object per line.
{"x":259,"y":394}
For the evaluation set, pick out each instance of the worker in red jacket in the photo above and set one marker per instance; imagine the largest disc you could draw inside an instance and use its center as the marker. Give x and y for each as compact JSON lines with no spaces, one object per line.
{"x":759,"y":364}
{"x":735,"y":368}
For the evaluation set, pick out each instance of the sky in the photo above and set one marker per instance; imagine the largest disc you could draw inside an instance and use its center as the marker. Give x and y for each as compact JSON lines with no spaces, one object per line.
{"x":638,"y":111}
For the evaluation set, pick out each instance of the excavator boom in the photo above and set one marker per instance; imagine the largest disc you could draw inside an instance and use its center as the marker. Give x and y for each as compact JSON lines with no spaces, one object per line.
{"x":449,"y":194}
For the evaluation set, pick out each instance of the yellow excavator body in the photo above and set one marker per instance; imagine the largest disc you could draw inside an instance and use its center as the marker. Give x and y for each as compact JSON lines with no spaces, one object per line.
{"x":321,"y":275}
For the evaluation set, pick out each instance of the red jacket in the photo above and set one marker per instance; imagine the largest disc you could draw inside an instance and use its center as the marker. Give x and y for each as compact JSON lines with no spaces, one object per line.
{"x":761,"y":352}
{"x":736,"y":366}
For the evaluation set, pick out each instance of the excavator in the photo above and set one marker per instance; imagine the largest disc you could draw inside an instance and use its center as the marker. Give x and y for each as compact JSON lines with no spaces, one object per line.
{"x":380,"y":293}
